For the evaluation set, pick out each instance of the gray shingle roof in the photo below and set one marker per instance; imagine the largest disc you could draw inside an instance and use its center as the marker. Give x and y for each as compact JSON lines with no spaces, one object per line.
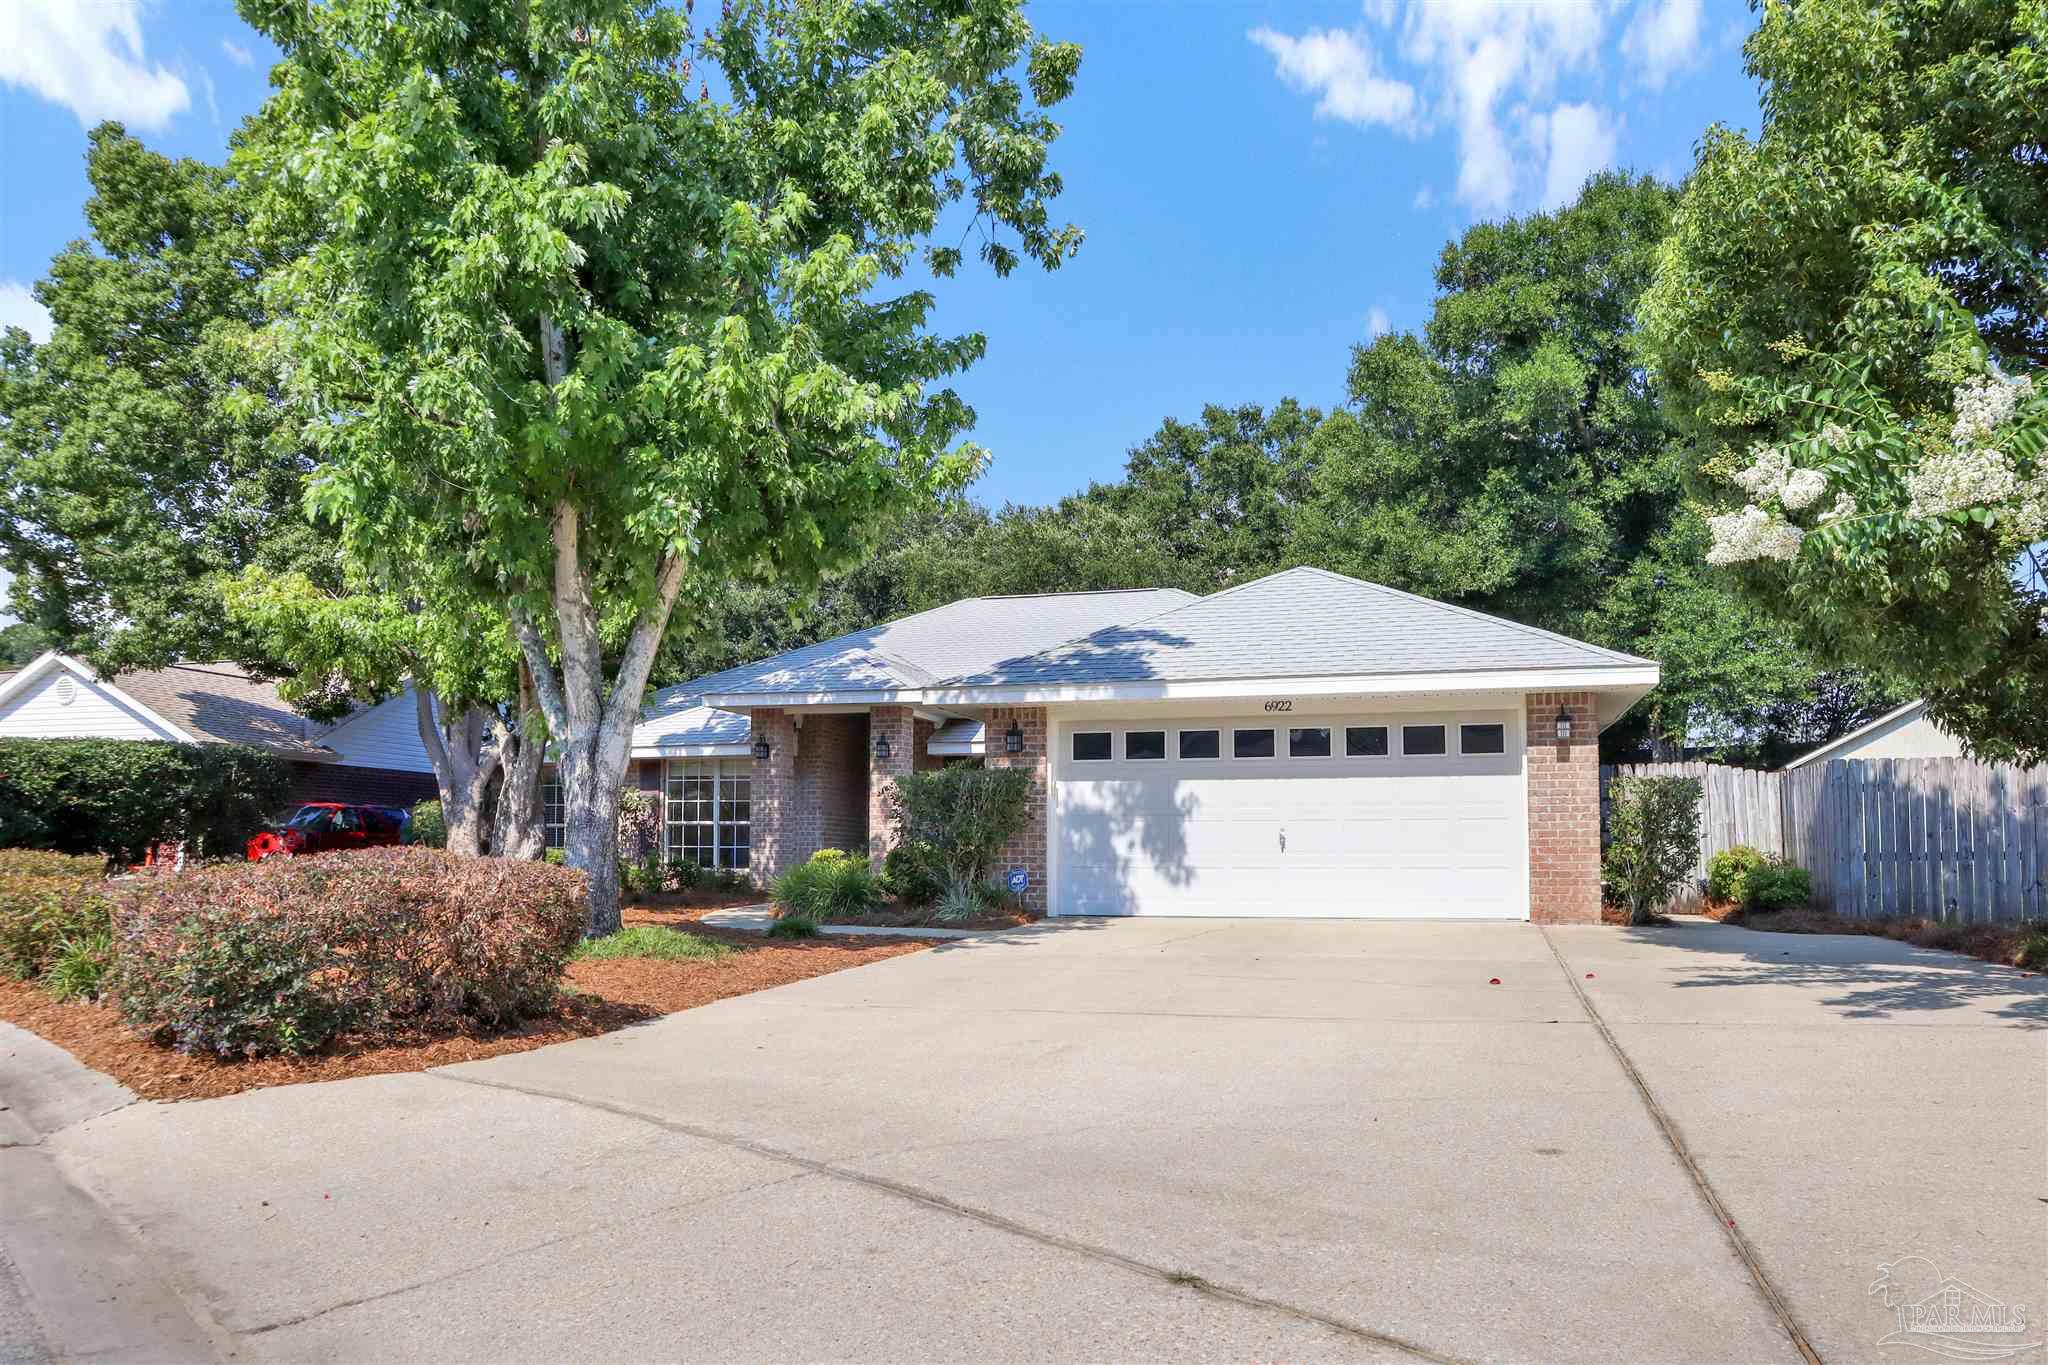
{"x":1299,"y":623}
{"x":917,"y":651}
{"x":682,"y":722}
{"x":223,"y":703}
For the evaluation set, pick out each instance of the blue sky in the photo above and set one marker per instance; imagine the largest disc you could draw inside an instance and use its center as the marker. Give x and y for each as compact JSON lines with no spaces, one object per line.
{"x":1263,"y":184}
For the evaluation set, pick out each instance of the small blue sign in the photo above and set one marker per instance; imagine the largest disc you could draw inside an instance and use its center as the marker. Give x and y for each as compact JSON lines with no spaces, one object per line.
{"x":1019,"y":880}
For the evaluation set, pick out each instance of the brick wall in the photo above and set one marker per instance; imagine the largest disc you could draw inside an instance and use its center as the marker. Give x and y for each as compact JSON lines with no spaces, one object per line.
{"x":832,"y":779}
{"x":1564,"y":810}
{"x":367,"y":786}
{"x":896,"y":723}
{"x":782,"y":822}
{"x":1026,"y":849}
{"x":921,"y":736}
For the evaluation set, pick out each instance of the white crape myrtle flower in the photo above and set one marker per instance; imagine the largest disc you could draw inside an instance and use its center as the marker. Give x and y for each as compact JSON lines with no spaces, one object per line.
{"x":1844,"y":508}
{"x":1836,"y":436}
{"x":1752,"y":533}
{"x":1985,"y":405}
{"x":1959,"y":480}
{"x":1766,"y":473}
{"x":1803,"y":488}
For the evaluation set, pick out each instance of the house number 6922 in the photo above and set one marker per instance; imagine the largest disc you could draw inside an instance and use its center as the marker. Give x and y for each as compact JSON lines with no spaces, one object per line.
{"x":1279,"y":706}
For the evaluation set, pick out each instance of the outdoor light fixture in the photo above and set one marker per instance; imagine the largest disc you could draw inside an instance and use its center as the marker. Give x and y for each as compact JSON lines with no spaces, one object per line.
{"x":882,"y":749}
{"x":761,"y":747}
{"x":1564,"y":724}
{"x":1013,"y":739}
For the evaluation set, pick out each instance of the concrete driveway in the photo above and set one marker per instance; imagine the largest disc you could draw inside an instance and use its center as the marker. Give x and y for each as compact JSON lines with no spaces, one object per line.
{"x":1160,"y":1139}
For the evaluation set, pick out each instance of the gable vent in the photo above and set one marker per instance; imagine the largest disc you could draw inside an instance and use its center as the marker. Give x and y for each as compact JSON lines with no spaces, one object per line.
{"x":66,"y":690}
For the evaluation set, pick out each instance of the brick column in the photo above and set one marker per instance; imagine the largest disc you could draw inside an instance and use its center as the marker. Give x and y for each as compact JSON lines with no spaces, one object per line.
{"x":896,"y":724}
{"x":775,"y":797}
{"x":1027,"y":848}
{"x":1564,"y":810}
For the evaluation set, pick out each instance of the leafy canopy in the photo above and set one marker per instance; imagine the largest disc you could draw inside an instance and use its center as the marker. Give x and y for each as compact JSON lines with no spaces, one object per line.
{"x":1837,"y":299}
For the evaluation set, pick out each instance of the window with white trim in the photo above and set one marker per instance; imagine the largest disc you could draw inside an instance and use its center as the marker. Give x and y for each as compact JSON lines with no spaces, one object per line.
{"x":1482,"y":739}
{"x":709,"y":812}
{"x":1092,"y":746}
{"x":1143,"y":745}
{"x":554,"y":812}
{"x":1251,"y":743}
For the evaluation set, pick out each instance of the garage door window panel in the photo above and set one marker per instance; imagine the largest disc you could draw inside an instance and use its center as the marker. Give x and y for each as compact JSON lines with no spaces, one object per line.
{"x":1365,"y":741}
{"x":1482,"y":739}
{"x":1251,"y":743}
{"x":1201,"y":744}
{"x":1092,"y":746}
{"x":1309,"y":742}
{"x":1144,"y":746}
{"x":1422,"y":740}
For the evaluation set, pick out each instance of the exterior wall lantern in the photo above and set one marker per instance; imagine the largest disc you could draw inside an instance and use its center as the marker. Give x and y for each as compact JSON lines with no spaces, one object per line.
{"x":883,"y":751}
{"x":1013,"y":739}
{"x":1564,"y":725}
{"x":761,"y":749}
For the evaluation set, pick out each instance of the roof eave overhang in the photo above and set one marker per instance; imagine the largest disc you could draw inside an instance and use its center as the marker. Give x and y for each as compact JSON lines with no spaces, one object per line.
{"x":747,"y":701}
{"x":1630,"y":681}
{"x":740,"y":749}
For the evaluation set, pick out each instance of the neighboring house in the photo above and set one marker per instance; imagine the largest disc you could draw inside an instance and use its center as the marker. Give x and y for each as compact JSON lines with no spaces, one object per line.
{"x":1305,"y":744}
{"x":374,"y":755}
{"x":1902,"y":733}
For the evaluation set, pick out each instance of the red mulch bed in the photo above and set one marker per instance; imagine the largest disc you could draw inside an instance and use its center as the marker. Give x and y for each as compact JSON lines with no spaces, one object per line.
{"x":700,"y":898}
{"x":601,"y":995}
{"x":2008,"y":945}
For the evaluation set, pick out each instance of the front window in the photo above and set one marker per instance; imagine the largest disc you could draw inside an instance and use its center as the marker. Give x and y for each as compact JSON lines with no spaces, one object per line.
{"x":554,"y":814}
{"x":709,"y":812}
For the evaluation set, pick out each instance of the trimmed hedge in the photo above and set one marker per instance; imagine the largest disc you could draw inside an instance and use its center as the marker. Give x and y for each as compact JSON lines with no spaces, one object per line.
{"x":118,"y":797}
{"x":280,"y":956}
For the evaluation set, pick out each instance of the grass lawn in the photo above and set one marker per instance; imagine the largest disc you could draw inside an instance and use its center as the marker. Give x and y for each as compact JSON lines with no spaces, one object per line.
{"x":644,"y":971}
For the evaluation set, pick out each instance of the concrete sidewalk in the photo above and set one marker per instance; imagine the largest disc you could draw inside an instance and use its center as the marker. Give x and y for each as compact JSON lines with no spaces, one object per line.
{"x":1149,"y":1140}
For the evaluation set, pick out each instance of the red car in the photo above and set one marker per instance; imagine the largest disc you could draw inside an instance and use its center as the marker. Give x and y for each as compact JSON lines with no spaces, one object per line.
{"x":323,"y":826}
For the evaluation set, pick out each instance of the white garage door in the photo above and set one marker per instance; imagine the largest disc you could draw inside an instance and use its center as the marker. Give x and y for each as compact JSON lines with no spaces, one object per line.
{"x":1375,"y":816}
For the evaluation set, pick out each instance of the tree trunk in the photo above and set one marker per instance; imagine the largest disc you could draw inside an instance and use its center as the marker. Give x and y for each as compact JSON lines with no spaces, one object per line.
{"x":590,"y":727}
{"x":516,"y":832}
{"x":463,"y":765}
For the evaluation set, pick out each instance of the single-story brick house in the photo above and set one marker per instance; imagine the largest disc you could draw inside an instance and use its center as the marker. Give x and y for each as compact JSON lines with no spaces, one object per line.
{"x":373,"y":756}
{"x":1305,"y":744}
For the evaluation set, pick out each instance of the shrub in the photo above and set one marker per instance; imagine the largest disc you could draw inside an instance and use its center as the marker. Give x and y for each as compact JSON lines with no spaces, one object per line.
{"x":795,"y":926}
{"x":2032,"y":949}
{"x":80,"y":967}
{"x":41,"y":862}
{"x":1653,"y":840}
{"x":278,"y":956}
{"x":960,"y":900}
{"x":555,"y":857}
{"x":911,"y":873}
{"x":1727,"y":869}
{"x":119,"y":797}
{"x":639,"y":833}
{"x":1776,"y":885}
{"x":428,"y":827}
{"x":644,"y":877}
{"x":684,"y":874}
{"x":964,"y":815}
{"x":40,"y":911}
{"x":832,"y":885}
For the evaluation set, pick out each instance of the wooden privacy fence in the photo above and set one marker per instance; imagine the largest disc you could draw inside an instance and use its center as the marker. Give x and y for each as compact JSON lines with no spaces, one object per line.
{"x":1944,"y":838}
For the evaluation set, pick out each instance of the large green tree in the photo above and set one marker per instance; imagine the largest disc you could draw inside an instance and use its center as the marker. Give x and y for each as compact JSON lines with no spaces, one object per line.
{"x":1517,"y":457}
{"x":1850,"y":314}
{"x":129,"y":487}
{"x":583,"y":330}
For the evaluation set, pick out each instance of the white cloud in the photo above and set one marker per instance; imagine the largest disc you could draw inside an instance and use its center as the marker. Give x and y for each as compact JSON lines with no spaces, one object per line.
{"x":1578,"y":140}
{"x":1339,"y":70}
{"x":1662,"y":39}
{"x":1486,"y":69}
{"x":18,"y":308}
{"x":88,"y":58}
{"x":239,"y":55}
{"x":1377,"y":323}
{"x":212,"y":103}
{"x":1425,"y":199}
